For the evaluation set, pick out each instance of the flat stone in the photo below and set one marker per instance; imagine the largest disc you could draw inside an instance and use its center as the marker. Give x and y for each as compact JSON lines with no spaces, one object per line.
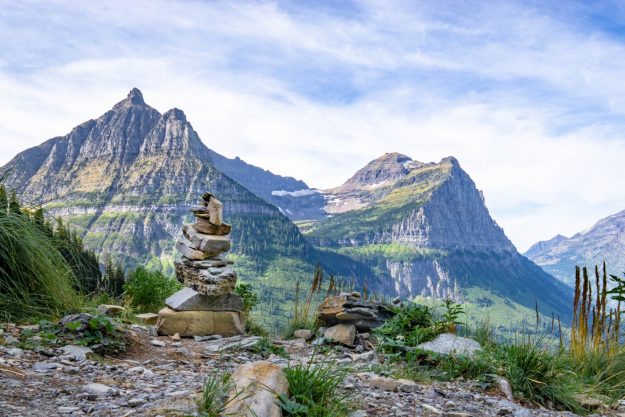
{"x":210,"y":245}
{"x":260,"y":383}
{"x":207,"y":338}
{"x":98,"y":389}
{"x":204,"y":226}
{"x":200,"y":323}
{"x":15,"y":352}
{"x":341,"y":333}
{"x":188,"y":299}
{"x":111,"y":309}
{"x":158,"y":343}
{"x":46,"y":366}
{"x":232,"y":343}
{"x":75,"y":353}
{"x":147,"y":318}
{"x":214,"y":262}
{"x":202,"y":281}
{"x":184,"y":246}
{"x":448,"y":343}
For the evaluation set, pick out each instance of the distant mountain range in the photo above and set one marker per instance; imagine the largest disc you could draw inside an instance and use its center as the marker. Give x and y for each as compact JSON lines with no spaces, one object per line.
{"x":405,"y":227}
{"x":605,"y":241}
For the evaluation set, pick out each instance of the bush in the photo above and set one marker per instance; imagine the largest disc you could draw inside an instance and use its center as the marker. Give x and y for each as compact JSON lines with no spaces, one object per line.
{"x":147,"y":290}
{"x":411,"y":325}
{"x":214,"y":398}
{"x":250,"y":298}
{"x":35,"y":280}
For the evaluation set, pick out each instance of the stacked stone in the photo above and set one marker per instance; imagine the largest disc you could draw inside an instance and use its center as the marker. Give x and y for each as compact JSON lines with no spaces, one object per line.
{"x":350,"y":309}
{"x":207,"y":305}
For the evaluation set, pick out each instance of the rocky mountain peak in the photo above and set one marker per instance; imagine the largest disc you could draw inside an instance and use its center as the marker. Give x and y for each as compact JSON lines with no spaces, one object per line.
{"x":175,"y":114}
{"x":134,"y":98}
{"x":381,"y":171}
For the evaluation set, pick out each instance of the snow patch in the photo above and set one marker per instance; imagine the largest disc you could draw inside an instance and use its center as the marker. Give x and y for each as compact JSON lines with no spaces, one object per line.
{"x":299,"y":193}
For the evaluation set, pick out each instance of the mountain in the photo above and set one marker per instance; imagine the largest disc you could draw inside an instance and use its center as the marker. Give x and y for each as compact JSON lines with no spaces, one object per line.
{"x":605,"y":241}
{"x":126,"y":180}
{"x":293,"y":197}
{"x":426,"y":226}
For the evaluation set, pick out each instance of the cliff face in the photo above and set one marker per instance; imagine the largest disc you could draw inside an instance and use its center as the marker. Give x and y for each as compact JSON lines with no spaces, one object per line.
{"x":605,"y":241}
{"x":427,"y":227}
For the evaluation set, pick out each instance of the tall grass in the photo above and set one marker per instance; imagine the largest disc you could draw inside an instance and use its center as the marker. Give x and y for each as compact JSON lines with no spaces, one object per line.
{"x":35,"y":279}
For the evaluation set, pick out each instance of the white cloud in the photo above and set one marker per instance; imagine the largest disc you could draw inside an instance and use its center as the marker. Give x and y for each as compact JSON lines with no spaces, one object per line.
{"x":530,"y":104}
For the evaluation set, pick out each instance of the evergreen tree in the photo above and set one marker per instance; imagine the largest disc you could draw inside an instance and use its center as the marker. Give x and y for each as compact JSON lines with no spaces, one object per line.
{"x":4,"y":199}
{"x":14,"y":204}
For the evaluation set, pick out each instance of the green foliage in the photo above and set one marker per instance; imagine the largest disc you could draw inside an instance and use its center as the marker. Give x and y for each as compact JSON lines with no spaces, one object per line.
{"x":147,"y":290}
{"x":313,"y":391}
{"x":214,"y":398}
{"x":254,"y":328}
{"x":411,"y":325}
{"x":266,"y":347}
{"x":101,"y":333}
{"x":35,"y":280}
{"x":250,"y":298}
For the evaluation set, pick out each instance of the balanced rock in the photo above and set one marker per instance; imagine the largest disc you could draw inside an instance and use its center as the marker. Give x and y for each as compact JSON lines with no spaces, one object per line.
{"x":209,"y":245}
{"x":256,"y":386}
{"x":204,"y":281}
{"x":349,"y":309}
{"x":188,"y":299}
{"x":206,"y":227}
{"x":186,"y":249}
{"x":200,"y":323}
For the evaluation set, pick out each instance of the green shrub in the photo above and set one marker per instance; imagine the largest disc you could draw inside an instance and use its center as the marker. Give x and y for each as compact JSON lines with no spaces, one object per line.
{"x":266,"y":348}
{"x":146,"y":290}
{"x":313,"y":391}
{"x":35,"y":280}
{"x":411,"y":325}
{"x":250,"y":298}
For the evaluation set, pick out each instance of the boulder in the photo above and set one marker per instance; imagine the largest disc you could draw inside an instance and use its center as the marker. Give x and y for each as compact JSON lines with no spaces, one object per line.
{"x":147,"y":318}
{"x":200,"y":323}
{"x":256,"y":385}
{"x":205,"y":283}
{"x":341,"y":333}
{"x":188,"y":299}
{"x":303,"y":334}
{"x":448,"y":344}
{"x":110,"y":309}
{"x":210,"y":245}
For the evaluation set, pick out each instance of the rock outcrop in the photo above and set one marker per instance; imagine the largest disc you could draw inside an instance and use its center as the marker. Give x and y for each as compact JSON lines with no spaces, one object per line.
{"x":349,"y":309}
{"x":207,"y":305}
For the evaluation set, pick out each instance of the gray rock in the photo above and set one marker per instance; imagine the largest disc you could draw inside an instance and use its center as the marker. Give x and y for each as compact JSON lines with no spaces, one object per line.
{"x":136,"y":402}
{"x":341,"y":333}
{"x":188,"y":299}
{"x":75,"y":353}
{"x":158,"y":343}
{"x":152,"y":331}
{"x":15,"y":352}
{"x":448,"y":344}
{"x":303,"y":334}
{"x":207,"y":338}
{"x":202,"y":281}
{"x":210,"y":245}
{"x":98,"y":389}
{"x":46,"y":366}
{"x":231,"y":343}
{"x":523,"y":412}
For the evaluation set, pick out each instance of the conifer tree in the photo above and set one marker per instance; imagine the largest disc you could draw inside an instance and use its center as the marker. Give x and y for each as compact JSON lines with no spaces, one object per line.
{"x":4,"y":201}
{"x":14,"y":204}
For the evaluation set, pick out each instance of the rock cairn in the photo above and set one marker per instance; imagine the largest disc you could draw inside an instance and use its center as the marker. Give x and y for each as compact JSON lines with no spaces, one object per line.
{"x":207,"y":305}
{"x":350,"y":309}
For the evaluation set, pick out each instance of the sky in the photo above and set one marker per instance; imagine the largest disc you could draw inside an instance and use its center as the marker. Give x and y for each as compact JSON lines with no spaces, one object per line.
{"x":529,"y":96}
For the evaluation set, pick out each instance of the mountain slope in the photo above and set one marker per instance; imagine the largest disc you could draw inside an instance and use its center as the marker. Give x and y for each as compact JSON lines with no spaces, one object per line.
{"x":426,"y":225}
{"x":126,"y":180}
{"x":605,"y":241}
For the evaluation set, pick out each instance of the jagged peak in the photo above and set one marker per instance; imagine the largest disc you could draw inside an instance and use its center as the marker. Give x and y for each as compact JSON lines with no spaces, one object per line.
{"x":450,"y":159}
{"x":134,"y":98}
{"x":175,"y":114}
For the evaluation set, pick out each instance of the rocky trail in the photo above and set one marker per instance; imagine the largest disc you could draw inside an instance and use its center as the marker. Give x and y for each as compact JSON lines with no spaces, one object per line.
{"x":160,"y":376}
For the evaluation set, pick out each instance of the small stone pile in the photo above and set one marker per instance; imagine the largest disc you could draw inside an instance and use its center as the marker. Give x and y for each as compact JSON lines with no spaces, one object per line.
{"x":351,"y":309}
{"x":207,"y":305}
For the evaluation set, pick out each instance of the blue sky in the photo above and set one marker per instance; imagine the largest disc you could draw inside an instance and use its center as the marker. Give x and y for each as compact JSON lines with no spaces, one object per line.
{"x":529,"y":96}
